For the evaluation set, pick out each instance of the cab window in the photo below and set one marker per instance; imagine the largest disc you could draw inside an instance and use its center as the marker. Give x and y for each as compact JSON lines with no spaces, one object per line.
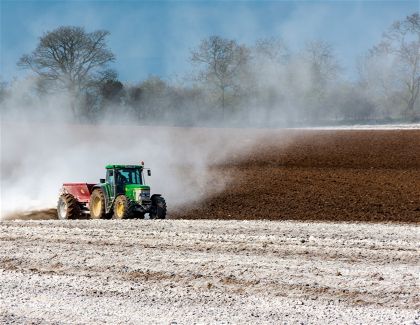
{"x":129,"y":175}
{"x":110,"y":176}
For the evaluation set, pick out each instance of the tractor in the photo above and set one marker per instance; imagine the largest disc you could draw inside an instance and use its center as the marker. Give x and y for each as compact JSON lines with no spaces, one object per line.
{"x":123,"y":194}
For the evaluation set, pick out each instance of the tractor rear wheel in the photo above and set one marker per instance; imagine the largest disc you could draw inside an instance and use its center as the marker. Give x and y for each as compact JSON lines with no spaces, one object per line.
{"x":123,"y":208}
{"x":158,"y":209}
{"x":97,"y":204}
{"x":68,"y":207}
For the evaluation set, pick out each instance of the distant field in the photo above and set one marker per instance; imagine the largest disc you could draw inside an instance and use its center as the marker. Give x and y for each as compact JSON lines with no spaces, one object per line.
{"x":346,"y":175}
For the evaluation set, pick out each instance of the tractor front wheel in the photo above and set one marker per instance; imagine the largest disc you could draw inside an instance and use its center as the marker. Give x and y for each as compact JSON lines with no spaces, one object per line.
{"x":68,"y":207}
{"x":123,"y":208}
{"x":97,"y":204}
{"x":158,"y":209}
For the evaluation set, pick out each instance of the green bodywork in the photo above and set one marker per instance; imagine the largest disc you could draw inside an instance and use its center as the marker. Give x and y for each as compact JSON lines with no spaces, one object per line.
{"x":135,"y":190}
{"x":130,"y":190}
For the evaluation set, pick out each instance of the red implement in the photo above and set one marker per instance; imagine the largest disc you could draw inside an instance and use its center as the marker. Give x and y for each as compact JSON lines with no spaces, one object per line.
{"x":81,"y":191}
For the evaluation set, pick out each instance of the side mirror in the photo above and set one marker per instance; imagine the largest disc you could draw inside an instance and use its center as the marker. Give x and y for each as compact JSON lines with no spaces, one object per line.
{"x":102,"y":180}
{"x":149,"y":172}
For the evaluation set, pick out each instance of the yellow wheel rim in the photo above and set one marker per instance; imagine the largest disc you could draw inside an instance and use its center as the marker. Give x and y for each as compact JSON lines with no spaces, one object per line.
{"x":120,"y":209}
{"x":97,"y":206}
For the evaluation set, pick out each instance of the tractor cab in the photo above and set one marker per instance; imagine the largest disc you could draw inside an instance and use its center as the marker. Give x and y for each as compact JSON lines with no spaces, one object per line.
{"x":124,"y":175}
{"x":126,"y":179}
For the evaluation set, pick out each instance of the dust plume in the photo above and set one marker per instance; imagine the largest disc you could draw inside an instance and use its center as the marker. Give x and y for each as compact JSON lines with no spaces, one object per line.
{"x":37,"y":157}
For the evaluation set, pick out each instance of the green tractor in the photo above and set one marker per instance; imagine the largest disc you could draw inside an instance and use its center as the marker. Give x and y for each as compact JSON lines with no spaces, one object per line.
{"x":123,"y":194}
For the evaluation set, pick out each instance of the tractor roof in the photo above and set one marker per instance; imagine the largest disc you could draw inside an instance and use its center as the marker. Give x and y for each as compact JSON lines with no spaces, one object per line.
{"x":123,"y":166}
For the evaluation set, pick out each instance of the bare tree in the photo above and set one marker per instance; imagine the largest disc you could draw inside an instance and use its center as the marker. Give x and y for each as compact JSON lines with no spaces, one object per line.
{"x":272,"y":49}
{"x":322,"y":70}
{"x":322,"y":62}
{"x":266,"y":84}
{"x":223,"y":60}
{"x":401,"y":45}
{"x":112,"y":90}
{"x":70,"y":58}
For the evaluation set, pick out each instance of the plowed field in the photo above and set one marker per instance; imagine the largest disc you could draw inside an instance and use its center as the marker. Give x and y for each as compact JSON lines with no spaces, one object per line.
{"x":346,"y":175}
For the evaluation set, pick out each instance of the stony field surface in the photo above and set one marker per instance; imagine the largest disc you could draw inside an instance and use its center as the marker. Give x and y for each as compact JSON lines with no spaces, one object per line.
{"x":208,"y":271}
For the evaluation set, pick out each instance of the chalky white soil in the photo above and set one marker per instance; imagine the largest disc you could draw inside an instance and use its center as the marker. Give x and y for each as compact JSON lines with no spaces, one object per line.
{"x":184,"y":272}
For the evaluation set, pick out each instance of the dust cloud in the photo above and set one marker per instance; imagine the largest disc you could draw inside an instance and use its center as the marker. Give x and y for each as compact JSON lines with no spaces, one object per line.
{"x":43,"y":146}
{"x":38,"y":157}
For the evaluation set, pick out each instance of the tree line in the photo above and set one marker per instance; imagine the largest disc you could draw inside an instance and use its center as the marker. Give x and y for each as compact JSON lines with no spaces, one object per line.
{"x":265,"y":84}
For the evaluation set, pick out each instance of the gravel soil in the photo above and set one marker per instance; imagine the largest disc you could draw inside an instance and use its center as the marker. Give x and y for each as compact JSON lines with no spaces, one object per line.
{"x":208,"y":271}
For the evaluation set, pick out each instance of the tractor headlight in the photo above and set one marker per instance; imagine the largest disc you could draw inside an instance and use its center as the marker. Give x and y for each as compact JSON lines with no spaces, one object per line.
{"x":145,"y":194}
{"x":142,"y":195}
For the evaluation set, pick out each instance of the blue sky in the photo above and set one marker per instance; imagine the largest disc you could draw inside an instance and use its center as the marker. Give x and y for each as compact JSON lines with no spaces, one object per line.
{"x":155,"y":37}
